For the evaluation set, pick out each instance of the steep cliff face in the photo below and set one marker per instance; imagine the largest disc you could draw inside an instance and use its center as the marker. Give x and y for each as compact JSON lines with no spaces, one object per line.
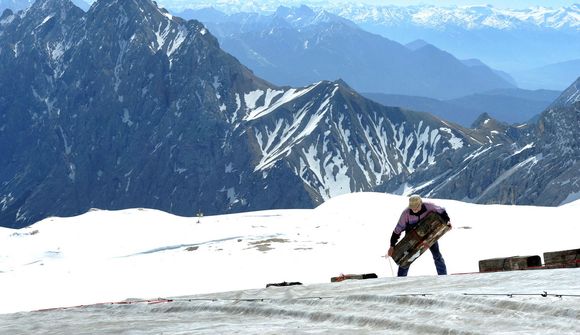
{"x":122,"y":106}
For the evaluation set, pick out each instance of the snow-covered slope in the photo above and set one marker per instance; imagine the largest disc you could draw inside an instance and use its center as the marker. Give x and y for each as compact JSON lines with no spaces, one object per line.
{"x":338,"y":143}
{"x":420,"y":305}
{"x":139,"y":253}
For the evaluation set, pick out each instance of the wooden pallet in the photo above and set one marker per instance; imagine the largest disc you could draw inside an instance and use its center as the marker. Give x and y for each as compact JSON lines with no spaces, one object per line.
{"x":562,"y":259}
{"x":510,"y":263}
{"x":418,"y":240}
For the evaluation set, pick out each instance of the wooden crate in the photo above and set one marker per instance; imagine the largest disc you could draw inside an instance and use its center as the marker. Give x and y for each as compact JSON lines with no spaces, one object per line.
{"x":562,"y":259}
{"x":418,"y":240}
{"x":510,"y":263}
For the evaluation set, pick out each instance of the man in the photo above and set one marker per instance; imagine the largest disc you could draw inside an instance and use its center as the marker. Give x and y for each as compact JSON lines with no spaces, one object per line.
{"x":416,"y":211}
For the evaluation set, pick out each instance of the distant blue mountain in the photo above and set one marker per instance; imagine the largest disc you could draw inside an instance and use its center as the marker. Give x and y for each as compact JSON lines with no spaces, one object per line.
{"x":511,"y":40}
{"x":297,"y":46}
{"x":506,"y":105}
{"x":553,"y":76}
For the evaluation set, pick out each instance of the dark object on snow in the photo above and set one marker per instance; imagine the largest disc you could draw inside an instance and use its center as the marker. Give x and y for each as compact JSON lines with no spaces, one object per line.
{"x":353,"y":276}
{"x":292,"y":283}
{"x":562,"y":259}
{"x":510,"y":263}
{"x":419,"y":239}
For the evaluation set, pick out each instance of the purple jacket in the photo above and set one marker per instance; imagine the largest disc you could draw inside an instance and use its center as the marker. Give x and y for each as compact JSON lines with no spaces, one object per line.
{"x":408,"y":218}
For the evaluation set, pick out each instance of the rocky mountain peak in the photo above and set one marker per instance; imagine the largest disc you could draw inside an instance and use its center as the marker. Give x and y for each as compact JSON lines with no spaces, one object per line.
{"x":59,"y":8}
{"x":485,"y":121}
{"x":303,"y":12}
{"x":45,"y":10}
{"x":130,"y":12}
{"x":6,"y":13}
{"x":304,"y":16}
{"x":416,"y":44}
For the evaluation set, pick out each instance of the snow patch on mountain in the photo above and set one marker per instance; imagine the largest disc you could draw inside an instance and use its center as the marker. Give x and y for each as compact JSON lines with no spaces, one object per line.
{"x":330,"y":172}
{"x":278,"y":142}
{"x":456,"y":142}
{"x":268,"y":107}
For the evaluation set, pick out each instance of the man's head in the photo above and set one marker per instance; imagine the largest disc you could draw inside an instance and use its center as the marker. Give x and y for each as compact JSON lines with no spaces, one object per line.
{"x":415,"y":203}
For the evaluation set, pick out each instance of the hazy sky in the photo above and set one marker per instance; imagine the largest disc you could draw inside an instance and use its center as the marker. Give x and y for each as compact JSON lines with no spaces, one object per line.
{"x":495,"y":3}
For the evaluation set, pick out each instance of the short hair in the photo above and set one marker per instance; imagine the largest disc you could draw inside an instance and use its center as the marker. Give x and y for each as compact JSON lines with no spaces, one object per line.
{"x":415,"y":200}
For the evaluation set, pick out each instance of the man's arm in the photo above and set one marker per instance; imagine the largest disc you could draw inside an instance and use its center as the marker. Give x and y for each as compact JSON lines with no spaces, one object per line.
{"x":399,"y":228}
{"x":394,"y":238}
{"x":445,"y":216}
{"x":440,"y":210}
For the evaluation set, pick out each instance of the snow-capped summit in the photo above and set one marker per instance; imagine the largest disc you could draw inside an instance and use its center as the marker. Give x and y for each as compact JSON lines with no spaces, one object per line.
{"x":304,"y":16}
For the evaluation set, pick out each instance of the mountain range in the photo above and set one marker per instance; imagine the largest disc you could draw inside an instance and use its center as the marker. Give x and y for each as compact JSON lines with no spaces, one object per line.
{"x":536,"y":45}
{"x":128,"y":106}
{"x":550,"y":75}
{"x":297,"y":46}
{"x":419,"y":76}
{"x":517,"y":41}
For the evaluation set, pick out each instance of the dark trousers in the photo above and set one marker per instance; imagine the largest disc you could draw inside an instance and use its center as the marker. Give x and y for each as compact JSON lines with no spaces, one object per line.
{"x":437,"y":257}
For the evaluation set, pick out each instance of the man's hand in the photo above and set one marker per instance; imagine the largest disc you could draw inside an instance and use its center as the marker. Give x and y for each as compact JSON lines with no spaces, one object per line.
{"x":390,"y":252}
{"x":449,"y":224}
